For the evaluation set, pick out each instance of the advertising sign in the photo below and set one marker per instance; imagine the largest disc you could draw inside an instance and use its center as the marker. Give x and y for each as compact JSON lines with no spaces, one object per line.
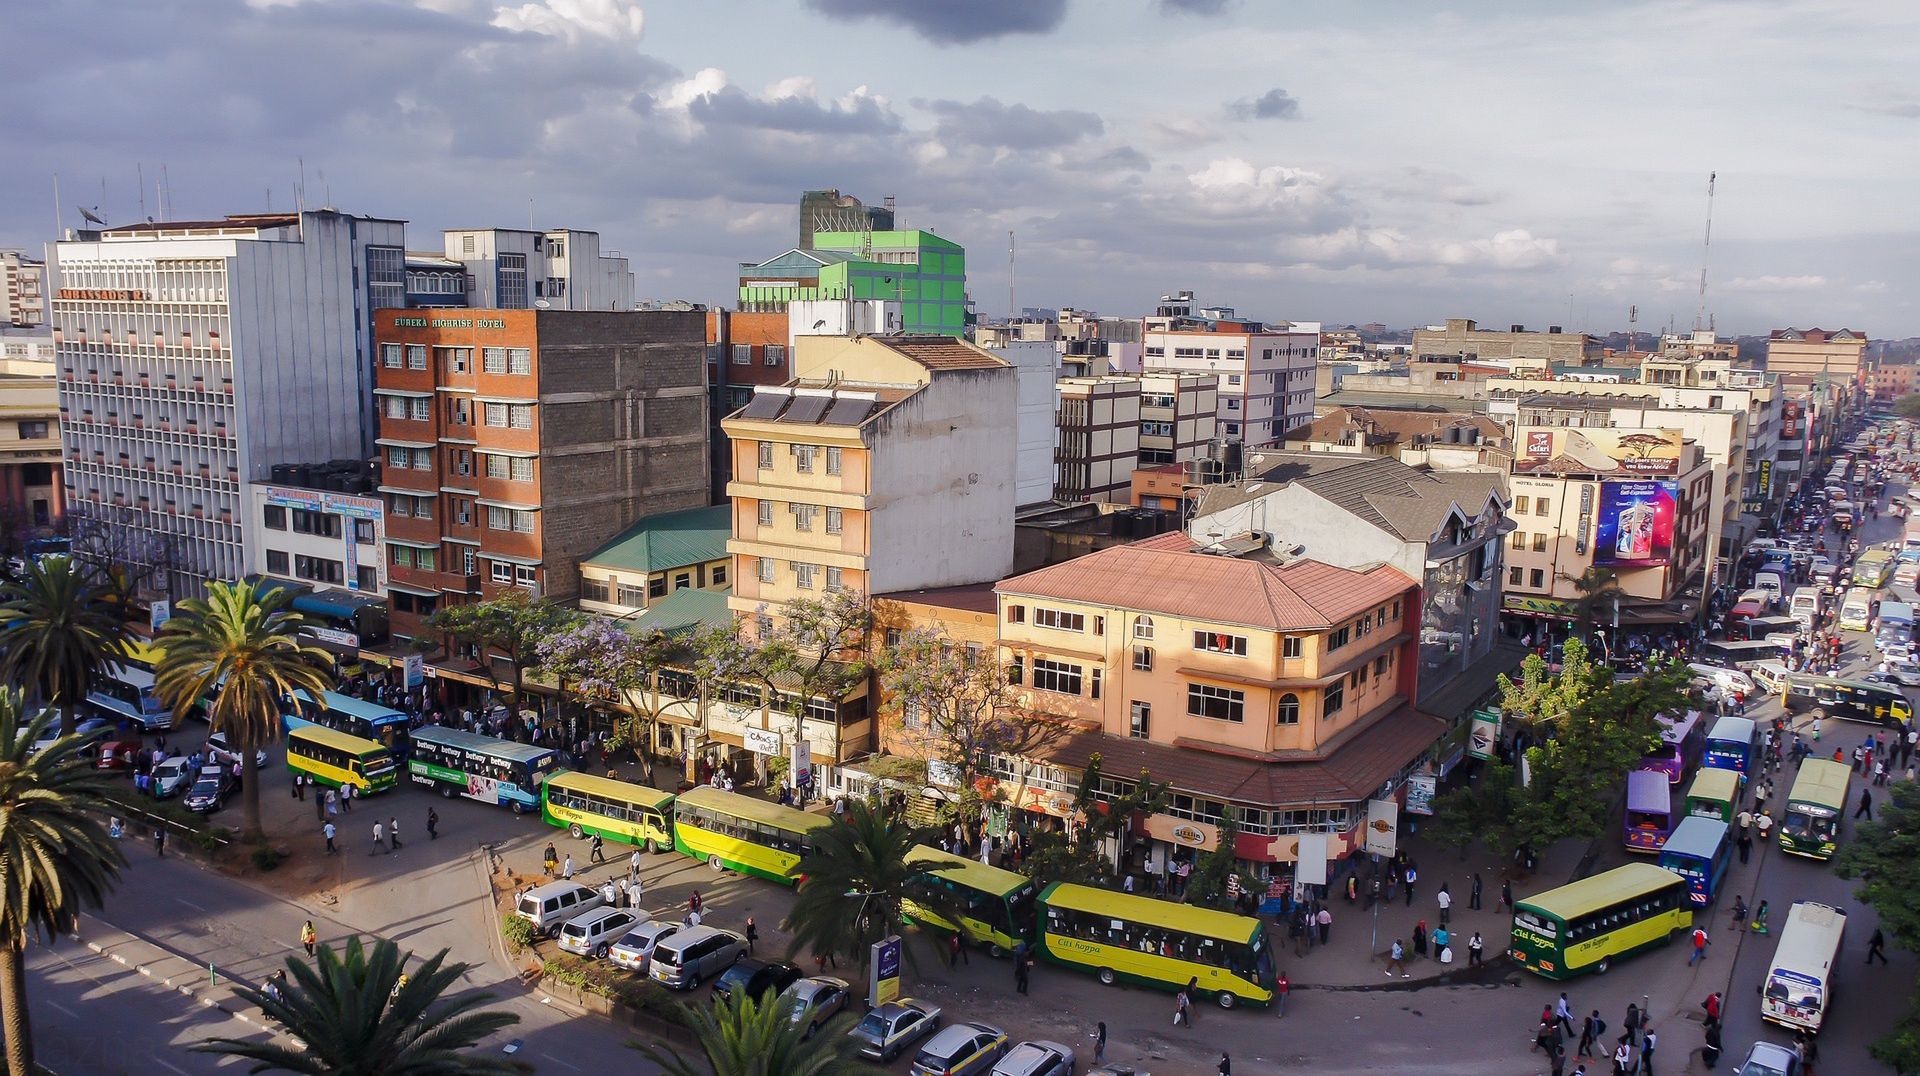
{"x":158,"y":614}
{"x":413,"y":670}
{"x":1383,"y":827}
{"x":1312,"y":869}
{"x":1485,"y":733}
{"x":1766,"y":477}
{"x":1586,"y":519}
{"x":1636,"y":524}
{"x":761,"y":741}
{"x":1182,"y":832}
{"x":1790,"y":420}
{"x":802,"y":764}
{"x":320,"y":500}
{"x":1597,"y":450}
{"x":1420,"y":790}
{"x":1541,"y":607}
{"x":883,"y":961}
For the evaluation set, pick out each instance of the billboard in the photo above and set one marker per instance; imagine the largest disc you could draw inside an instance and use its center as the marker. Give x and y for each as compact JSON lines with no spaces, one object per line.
{"x":1602,"y":451}
{"x":1636,"y":524}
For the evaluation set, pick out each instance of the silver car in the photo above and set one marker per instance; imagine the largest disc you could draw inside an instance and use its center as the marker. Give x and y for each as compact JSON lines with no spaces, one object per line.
{"x":813,"y":1001}
{"x":634,"y":950}
{"x":886,"y":1031}
{"x":695,"y":955}
{"x":968,"y":1049}
{"x":1037,"y":1057}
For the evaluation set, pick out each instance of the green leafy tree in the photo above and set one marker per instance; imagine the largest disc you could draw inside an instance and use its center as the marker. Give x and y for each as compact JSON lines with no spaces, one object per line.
{"x":358,"y":1014}
{"x":1542,"y":696}
{"x":239,"y":648}
{"x":1575,"y":773}
{"x":813,"y":649}
{"x":1907,"y":406}
{"x":1208,"y":884}
{"x":1483,"y":811}
{"x":55,"y":855}
{"x":858,"y":877}
{"x":512,"y":624}
{"x":741,"y":1036}
{"x":621,"y":670}
{"x":1078,"y":855}
{"x":58,"y":633}
{"x":1884,"y":855}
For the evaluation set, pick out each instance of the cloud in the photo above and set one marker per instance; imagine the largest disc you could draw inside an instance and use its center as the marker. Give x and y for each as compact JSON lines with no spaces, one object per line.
{"x":1194,"y":7}
{"x":574,"y":20}
{"x":947,"y":22}
{"x":988,"y":122}
{"x":1776,"y":283}
{"x":1514,"y":249}
{"x":790,"y":105}
{"x":1275,"y":104}
{"x":1871,"y":287}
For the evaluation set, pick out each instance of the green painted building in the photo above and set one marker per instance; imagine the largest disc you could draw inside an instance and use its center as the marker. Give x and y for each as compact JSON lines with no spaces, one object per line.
{"x":925,"y":274}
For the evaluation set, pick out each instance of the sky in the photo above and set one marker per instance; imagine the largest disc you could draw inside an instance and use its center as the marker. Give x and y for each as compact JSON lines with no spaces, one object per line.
{"x":1400,"y":162}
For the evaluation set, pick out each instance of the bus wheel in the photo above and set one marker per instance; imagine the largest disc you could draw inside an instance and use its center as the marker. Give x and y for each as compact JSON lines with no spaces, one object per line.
{"x":576,"y":831}
{"x":1107,"y":976}
{"x":1601,"y":968}
{"x":446,"y":792}
{"x":714,"y":862}
{"x":1226,"y":999}
{"x":653,"y":847}
{"x":516,"y":805}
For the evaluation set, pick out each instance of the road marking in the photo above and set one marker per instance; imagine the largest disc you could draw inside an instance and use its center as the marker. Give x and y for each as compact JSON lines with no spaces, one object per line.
{"x":190,"y":904}
{"x":156,"y":1060}
{"x":563,"y":1064}
{"x":63,"y":1008}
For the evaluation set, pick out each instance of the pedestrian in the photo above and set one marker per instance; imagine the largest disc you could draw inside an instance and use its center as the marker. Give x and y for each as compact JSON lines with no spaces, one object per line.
{"x":1623,"y":1056}
{"x":1100,"y":1043}
{"x":1647,"y":1041}
{"x":1022,"y":970}
{"x":597,"y":851}
{"x":953,"y":949}
{"x":1420,"y":938}
{"x":1506,"y":895}
{"x":393,"y":832}
{"x":160,"y":842}
{"x":1280,"y":988}
{"x":1193,"y":997}
{"x":552,"y":860}
{"x":1563,"y":1013}
{"x":328,"y":830}
{"x":1877,"y":946}
{"x":633,"y":866}
{"x":297,"y":794}
{"x":346,"y":798}
{"x":1324,"y":920}
{"x":1764,"y":824}
{"x":1745,"y":844}
{"x":1445,"y":900}
{"x":695,"y":902}
{"x":1880,"y":771}
{"x":379,"y":837}
{"x":1473,"y":894}
{"x":1559,"y":1061}
{"x":1590,"y":1031}
{"x":1412,"y":876}
{"x":1631,"y":1024}
{"x":332,"y":808}
{"x":1297,"y":928}
{"x":566,"y":868}
{"x":1866,"y":805}
{"x":309,"y":937}
{"x":1226,"y":1064}
{"x":1699,"y":946}
{"x":433,"y":824}
{"x":1712,"y":1006}
{"x":1710,"y":1052}
{"x":609,"y":896}
{"x":1398,"y":959}
{"x":1474,"y":946}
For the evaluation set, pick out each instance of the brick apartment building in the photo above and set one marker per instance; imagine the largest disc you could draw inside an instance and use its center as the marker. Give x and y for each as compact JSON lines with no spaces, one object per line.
{"x":514,"y":442}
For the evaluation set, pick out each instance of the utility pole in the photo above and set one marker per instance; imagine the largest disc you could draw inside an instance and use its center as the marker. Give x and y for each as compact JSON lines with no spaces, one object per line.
{"x":1700,"y":312}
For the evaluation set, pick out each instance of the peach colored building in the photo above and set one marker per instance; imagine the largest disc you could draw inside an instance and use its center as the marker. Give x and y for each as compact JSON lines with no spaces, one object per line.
{"x":1279,"y":690}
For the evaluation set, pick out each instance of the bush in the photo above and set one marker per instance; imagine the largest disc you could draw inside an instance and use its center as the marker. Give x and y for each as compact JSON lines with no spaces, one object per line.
{"x":518,"y":933}
{"x":621,"y":986}
{"x":266,"y":857}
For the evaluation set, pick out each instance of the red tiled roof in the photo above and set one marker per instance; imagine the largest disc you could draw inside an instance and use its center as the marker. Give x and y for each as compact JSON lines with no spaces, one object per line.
{"x":942,"y":352}
{"x":1154,"y":576}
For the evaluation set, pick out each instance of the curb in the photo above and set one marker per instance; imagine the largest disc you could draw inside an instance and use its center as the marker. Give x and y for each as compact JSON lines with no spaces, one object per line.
{"x":177,"y":983}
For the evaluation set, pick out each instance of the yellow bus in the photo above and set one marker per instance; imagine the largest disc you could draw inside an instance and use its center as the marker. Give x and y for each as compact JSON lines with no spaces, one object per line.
{"x":1714,"y":793}
{"x":1157,"y":943}
{"x":751,"y":836}
{"x":617,"y":810}
{"x":999,"y":906}
{"x":1873,"y":569}
{"x":336,"y":759}
{"x":1584,"y":926}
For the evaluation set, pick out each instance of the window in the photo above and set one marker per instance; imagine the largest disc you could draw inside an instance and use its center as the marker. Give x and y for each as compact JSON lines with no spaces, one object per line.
{"x":720,"y":574}
{"x":682,"y":580}
{"x":1288,"y":712}
{"x":803,"y":516}
{"x":1139,"y":720}
{"x":1093,"y":687}
{"x":743,"y":354}
{"x":1016,"y":670}
{"x":1541,"y":505}
{"x":1214,"y":642}
{"x":401,"y":458}
{"x":500,"y":571}
{"x":766,"y":513}
{"x":803,"y":575}
{"x":803,"y":458}
{"x":594,"y":590}
{"x":454,"y":360}
{"x":1291,"y":646}
{"x":1219,"y":703}
{"x":1056,"y":676}
{"x":1540,"y":542}
{"x":1381,"y":664}
{"x":275,"y":517}
{"x":1520,"y":504}
{"x":416,"y":356}
{"x":1016,"y":614}
{"x":776,"y":354}
{"x":833,"y":461}
{"x":493,"y":360}
{"x":833,"y":521}
{"x":1143,"y":658}
{"x":276,"y":562}
{"x":392,"y":356}
{"x":1537,"y":579}
{"x":631,"y":594}
{"x":509,"y":519}
{"x":657,"y":586}
{"x":836,"y":578}
{"x":1513,"y":576}
{"x":1058,"y":619}
{"x":1233,"y":379}
{"x":766,"y":455}
{"x":1143,"y":627}
{"x":765,"y":569}
{"x":1336,"y":698}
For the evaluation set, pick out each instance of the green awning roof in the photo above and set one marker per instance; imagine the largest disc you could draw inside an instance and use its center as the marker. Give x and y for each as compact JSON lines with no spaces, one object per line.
{"x":670,"y":540}
{"x":685,"y":608}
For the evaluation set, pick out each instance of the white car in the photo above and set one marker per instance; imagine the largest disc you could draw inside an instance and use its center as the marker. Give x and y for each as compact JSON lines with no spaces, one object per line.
{"x":634,"y":950}
{"x":218,"y":751}
{"x":1766,"y":1059}
{"x":1037,"y":1057}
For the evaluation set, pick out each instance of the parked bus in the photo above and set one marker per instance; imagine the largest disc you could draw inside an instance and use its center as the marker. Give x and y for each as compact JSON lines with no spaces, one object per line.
{"x":1699,"y":851}
{"x":1649,"y":816}
{"x":1849,"y":700}
{"x":1856,"y":610}
{"x":617,"y":810}
{"x":748,"y":835}
{"x":1730,"y":745}
{"x":1000,"y":910}
{"x":1799,"y":988}
{"x":124,"y":692}
{"x":1713,"y":794}
{"x":484,"y":768}
{"x":1124,"y":936}
{"x":1769,"y":628}
{"x":1815,"y":803}
{"x":1873,"y":569}
{"x":335,"y":759}
{"x":1682,"y":739}
{"x":344,"y":713}
{"x":1587,"y":925}
{"x":343,"y":617}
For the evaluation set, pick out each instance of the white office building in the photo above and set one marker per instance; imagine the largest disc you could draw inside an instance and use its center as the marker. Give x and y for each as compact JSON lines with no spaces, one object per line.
{"x":1265,"y":370}
{"x":193,"y":356}
{"x":511,"y":269}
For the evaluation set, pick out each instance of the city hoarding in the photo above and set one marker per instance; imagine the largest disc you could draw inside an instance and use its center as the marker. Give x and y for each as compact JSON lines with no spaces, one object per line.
{"x":1600,"y":451}
{"x":1636,"y":524}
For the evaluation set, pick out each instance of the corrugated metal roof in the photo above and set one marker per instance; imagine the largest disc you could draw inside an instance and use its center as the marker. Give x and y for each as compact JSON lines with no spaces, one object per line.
{"x":670,"y":540}
{"x":685,"y":608}
{"x":943,"y":352}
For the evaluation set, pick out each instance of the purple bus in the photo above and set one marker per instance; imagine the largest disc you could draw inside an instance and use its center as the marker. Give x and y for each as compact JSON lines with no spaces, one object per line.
{"x":1682,"y":740}
{"x":1649,"y":817}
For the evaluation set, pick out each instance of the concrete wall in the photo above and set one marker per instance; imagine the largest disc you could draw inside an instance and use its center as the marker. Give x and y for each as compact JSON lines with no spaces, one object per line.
{"x":1035,"y":361}
{"x":943,"y":483}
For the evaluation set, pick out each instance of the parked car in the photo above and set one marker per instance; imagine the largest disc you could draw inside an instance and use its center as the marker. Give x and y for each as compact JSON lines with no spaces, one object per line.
{"x":965,"y":1049}
{"x":1037,"y":1057}
{"x":813,"y":1001}
{"x":218,"y":751}
{"x":1767,"y":1059}
{"x":695,"y":955}
{"x":634,"y":950}
{"x":887,"y":1030}
{"x":1900,"y":671}
{"x":594,"y":933}
{"x":550,"y":906}
{"x":171,"y":777}
{"x":209,"y":790}
{"x":85,"y":727}
{"x":759,"y":978}
{"x":117,"y":755}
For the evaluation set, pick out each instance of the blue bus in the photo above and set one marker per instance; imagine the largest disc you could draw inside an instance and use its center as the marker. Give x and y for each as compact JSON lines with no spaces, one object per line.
{"x":1699,"y":851}
{"x":484,"y":768}
{"x":344,"y":713}
{"x":1649,"y":816}
{"x":1730,"y":746}
{"x":124,"y":695}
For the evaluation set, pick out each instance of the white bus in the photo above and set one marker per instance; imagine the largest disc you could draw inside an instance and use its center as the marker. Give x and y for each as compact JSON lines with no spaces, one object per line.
{"x":124,"y":694}
{"x":1856,"y":610}
{"x":1799,"y":988}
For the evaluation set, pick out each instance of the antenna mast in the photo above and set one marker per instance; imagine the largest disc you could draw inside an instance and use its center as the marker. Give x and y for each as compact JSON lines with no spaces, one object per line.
{"x":1700,"y":313}
{"x":1012,"y":310}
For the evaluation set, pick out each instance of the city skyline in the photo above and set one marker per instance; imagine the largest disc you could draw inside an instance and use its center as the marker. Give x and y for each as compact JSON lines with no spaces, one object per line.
{"x":1395,"y":164}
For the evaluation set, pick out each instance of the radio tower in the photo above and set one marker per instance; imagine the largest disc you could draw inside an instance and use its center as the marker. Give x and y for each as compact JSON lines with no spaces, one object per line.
{"x":1700,"y":313}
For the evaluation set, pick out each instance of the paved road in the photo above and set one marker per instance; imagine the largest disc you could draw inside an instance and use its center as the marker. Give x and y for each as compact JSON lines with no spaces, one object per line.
{"x":94,"y":1016}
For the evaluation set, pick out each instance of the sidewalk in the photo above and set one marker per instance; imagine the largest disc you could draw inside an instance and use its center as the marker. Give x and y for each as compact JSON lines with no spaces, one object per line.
{"x":208,"y":985}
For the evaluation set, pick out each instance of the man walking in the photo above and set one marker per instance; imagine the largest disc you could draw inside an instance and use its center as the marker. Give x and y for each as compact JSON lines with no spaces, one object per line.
{"x":1877,"y":946}
{"x":1473,"y":894}
{"x":1022,"y":969}
{"x":1324,"y":920}
{"x":328,"y":830}
{"x":1745,"y":844}
{"x":297,"y":793}
{"x":1590,"y":1031}
{"x":1397,"y":959}
{"x":1647,"y":1041}
{"x":1412,"y":876}
{"x":1445,"y":900}
{"x":1866,"y":805}
{"x":1474,"y":945}
{"x":1100,"y":1043}
{"x":379,"y":837}
{"x":1699,"y":946}
{"x":433,"y":824}
{"x":633,"y":866}
{"x":566,"y":869}
{"x":393,"y":832}
{"x":1563,"y":1013}
{"x":597,"y":852}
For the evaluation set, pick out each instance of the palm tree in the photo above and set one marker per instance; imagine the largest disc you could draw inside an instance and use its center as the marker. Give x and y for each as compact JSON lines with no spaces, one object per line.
{"x":239,"y":647}
{"x":867,"y":858}
{"x":55,"y":855}
{"x":743,"y":1037}
{"x":57,"y":633}
{"x":358,"y":1015}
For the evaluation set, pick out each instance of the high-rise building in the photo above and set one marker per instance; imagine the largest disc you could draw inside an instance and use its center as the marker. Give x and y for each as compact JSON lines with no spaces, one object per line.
{"x":1265,"y":370}
{"x":30,"y":495}
{"x":1463,"y":340}
{"x":831,"y":211}
{"x":1178,"y":416}
{"x":514,"y":442}
{"x":23,"y":289}
{"x":194,"y":355}
{"x":1097,"y":438}
{"x":925,"y":274}
{"x":1801,"y":357}
{"x":516,"y":269}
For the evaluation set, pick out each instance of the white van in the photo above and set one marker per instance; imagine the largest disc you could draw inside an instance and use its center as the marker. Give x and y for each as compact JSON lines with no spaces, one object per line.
{"x":689,"y":958}
{"x":1799,"y":985}
{"x":548,"y":907}
{"x":591,"y":934}
{"x":1726,"y":680}
{"x":1805,"y":606}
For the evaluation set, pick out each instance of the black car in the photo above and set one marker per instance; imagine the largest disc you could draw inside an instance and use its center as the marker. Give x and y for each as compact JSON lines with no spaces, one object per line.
{"x":209,"y":791}
{"x":759,"y":978}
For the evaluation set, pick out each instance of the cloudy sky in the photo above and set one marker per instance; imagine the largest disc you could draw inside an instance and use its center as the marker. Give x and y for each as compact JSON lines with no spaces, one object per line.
{"x":1350,"y":162}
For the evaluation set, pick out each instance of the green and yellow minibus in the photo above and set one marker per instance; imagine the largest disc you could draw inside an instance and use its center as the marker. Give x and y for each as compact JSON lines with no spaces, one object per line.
{"x":335,"y":758}
{"x":999,"y":904}
{"x":616,"y":810}
{"x":751,"y":836}
{"x":1713,"y":794}
{"x":1156,"y":943}
{"x":1811,"y":826}
{"x":1587,"y":925}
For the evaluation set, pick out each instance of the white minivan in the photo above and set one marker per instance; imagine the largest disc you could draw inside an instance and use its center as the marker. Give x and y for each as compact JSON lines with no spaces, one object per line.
{"x":550,"y":906}
{"x":1805,"y":606}
{"x":593,"y":933}
{"x":1726,"y":680}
